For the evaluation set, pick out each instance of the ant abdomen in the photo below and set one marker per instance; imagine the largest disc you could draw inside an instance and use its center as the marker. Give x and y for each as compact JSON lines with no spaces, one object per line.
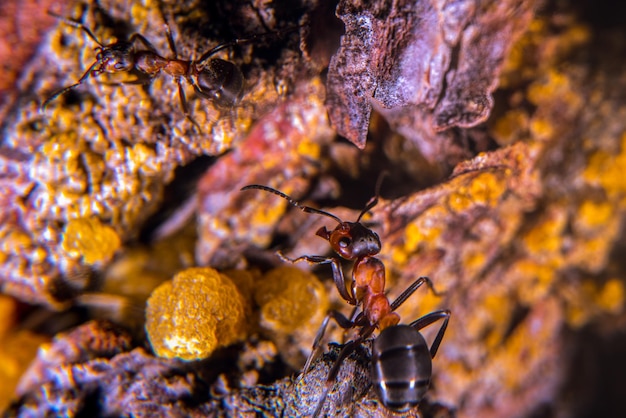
{"x":222,"y":82}
{"x":401,"y":367}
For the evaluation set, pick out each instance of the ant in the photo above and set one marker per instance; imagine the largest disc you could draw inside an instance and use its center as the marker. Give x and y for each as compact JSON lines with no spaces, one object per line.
{"x":399,"y":386}
{"x":214,"y":79}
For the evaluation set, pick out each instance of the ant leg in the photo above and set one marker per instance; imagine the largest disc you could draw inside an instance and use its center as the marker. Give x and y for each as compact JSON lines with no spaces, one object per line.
{"x":139,"y":81}
{"x":340,"y":319}
{"x":426,"y":320}
{"x":409,"y":291}
{"x":338,"y":278}
{"x":243,"y":41}
{"x":89,"y":73}
{"x":183,"y":103}
{"x":170,"y":40}
{"x":334,"y":371}
{"x":291,"y":201}
{"x":139,"y":37}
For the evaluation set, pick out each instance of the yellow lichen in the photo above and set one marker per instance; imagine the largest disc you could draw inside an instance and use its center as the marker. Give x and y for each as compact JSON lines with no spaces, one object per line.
{"x":592,"y":299}
{"x":595,"y":214}
{"x":90,"y":239}
{"x":541,"y":129}
{"x":538,"y":279}
{"x":485,"y":189}
{"x":289,"y":299}
{"x":425,"y":230}
{"x":554,"y":87}
{"x":473,"y":261}
{"x":607,"y":170}
{"x":309,"y":148}
{"x":196,"y":312}
{"x":611,"y":297}
{"x":545,"y":239}
{"x":491,"y":319}
{"x":16,"y":242}
{"x":17,"y":350}
{"x":522,"y":351}
{"x":510,"y":127}
{"x":545,"y":90}
{"x":270,"y":212}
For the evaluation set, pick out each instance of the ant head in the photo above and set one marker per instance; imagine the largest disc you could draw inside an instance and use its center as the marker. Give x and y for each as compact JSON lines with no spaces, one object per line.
{"x":352,"y":240}
{"x":221,"y":82}
{"x":115,"y":58}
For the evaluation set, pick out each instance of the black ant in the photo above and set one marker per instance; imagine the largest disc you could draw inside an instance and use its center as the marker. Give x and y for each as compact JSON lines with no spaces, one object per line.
{"x":214,"y":79}
{"x":399,"y":386}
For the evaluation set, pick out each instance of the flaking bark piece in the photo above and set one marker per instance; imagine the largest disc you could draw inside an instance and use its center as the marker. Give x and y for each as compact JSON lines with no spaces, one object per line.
{"x":93,"y":370}
{"x":433,"y":58}
{"x":349,"y":395}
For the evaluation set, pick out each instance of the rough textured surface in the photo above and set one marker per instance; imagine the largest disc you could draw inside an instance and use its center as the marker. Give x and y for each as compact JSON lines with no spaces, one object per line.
{"x":282,"y":150}
{"x":195,"y":313}
{"x":427,"y":66}
{"x":525,"y":239}
{"x":112,"y":379}
{"x":104,"y":152}
{"x":104,"y":382}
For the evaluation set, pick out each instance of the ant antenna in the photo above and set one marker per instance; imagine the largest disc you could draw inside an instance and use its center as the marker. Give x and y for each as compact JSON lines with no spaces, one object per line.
{"x":76,"y":25}
{"x":374,"y":200}
{"x":58,"y":93}
{"x":293,"y":202}
{"x":90,"y":71}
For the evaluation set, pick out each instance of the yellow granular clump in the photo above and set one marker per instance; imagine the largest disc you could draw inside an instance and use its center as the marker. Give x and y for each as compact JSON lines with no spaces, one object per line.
{"x":289,"y":298}
{"x":196,"y":312}
{"x":91,"y":239}
{"x":18,"y":348}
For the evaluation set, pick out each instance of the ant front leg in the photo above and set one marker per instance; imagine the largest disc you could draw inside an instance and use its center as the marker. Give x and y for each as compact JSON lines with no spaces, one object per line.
{"x":170,"y":41}
{"x":338,"y":277}
{"x":139,"y":37}
{"x":431,"y":318}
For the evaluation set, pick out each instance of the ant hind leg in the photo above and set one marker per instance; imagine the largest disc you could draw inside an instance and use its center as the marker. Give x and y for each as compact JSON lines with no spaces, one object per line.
{"x":429,"y":319}
{"x":185,"y":106}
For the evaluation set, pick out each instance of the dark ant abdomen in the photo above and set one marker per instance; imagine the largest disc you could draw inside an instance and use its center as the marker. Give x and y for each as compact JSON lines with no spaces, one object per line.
{"x":222,"y":82}
{"x":401,"y":367}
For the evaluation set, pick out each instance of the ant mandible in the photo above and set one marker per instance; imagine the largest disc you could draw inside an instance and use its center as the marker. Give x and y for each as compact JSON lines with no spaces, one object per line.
{"x":215,"y":79}
{"x":396,"y":344}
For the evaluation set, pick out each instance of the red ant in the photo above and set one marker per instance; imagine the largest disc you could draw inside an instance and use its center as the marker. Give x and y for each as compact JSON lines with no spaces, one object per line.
{"x":215,"y":79}
{"x":353,"y":241}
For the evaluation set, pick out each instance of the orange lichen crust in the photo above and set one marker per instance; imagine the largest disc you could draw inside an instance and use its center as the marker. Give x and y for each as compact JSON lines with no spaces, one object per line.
{"x":17,"y":349}
{"x":292,"y":304}
{"x":90,"y":239}
{"x":521,"y":238}
{"x":282,"y":151}
{"x":196,"y":312}
{"x":290,"y":299}
{"x":106,"y":150}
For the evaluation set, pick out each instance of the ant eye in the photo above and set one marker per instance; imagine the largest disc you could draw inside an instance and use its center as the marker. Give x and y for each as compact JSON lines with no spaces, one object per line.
{"x":345,"y":242}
